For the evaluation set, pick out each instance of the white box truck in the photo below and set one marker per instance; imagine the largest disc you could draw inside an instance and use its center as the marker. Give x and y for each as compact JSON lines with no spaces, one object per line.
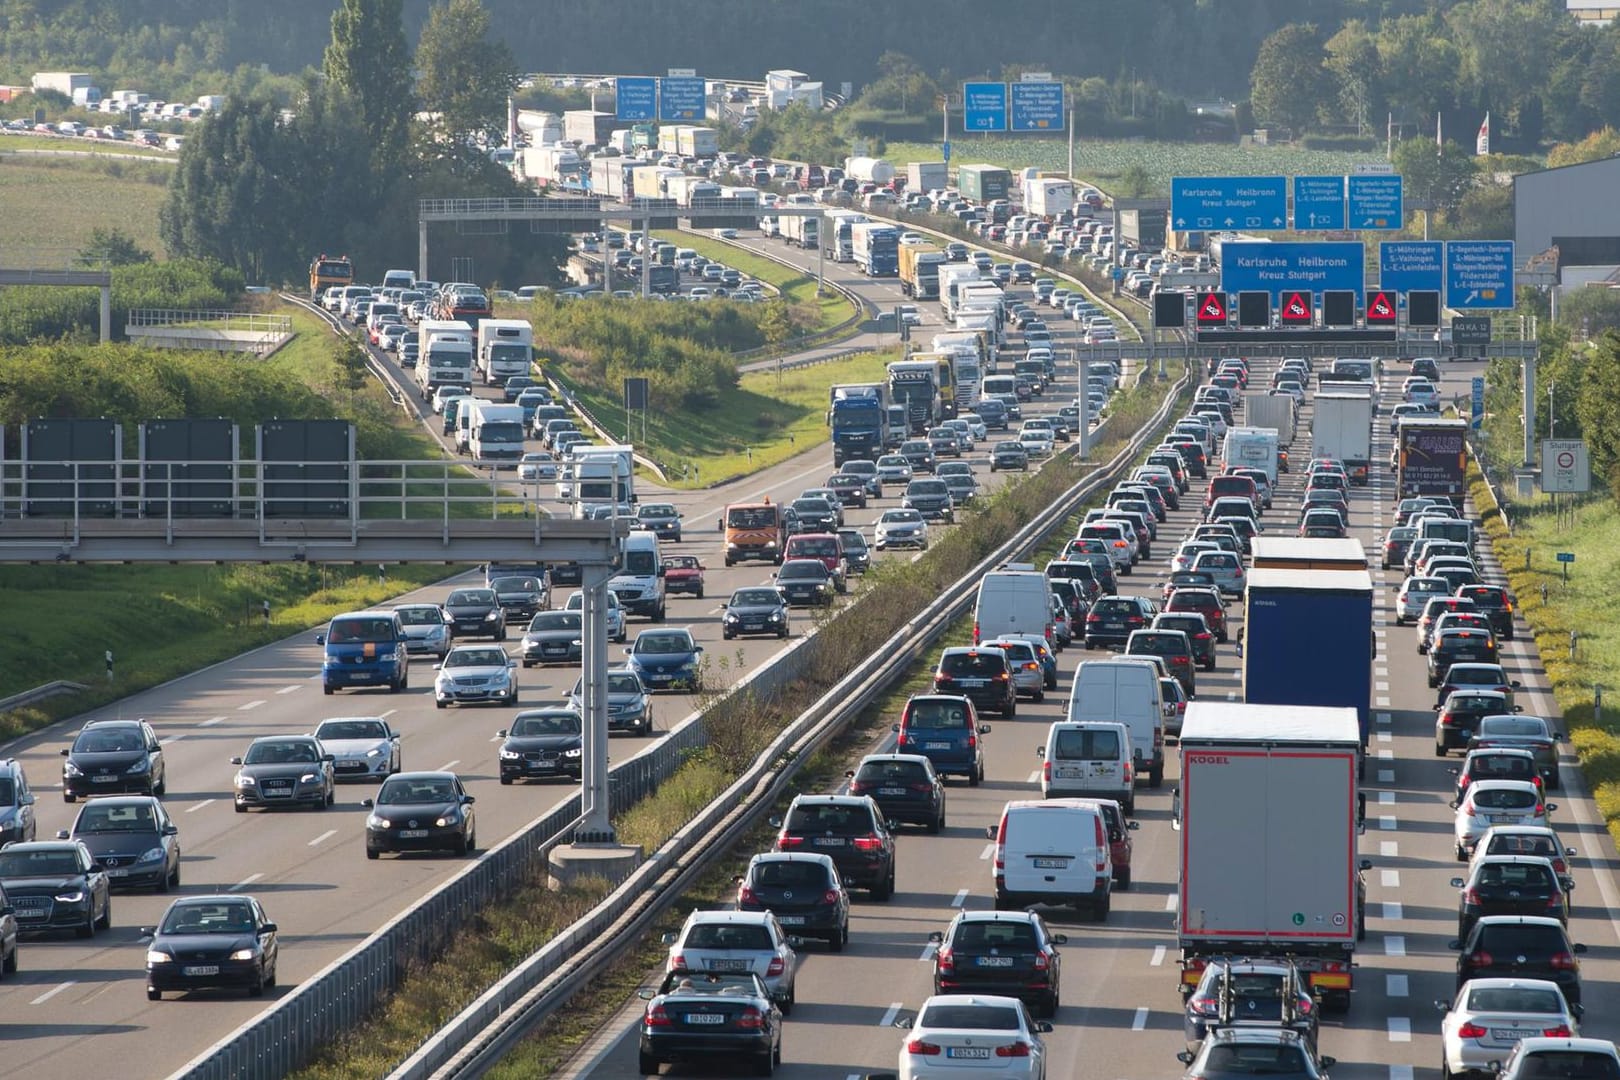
{"x":600,"y":474}
{"x":1251,"y":448}
{"x":805,"y":231}
{"x":1270,"y":812}
{"x":494,"y":431}
{"x":505,"y":349}
{"x":444,"y":355}
{"x":926,"y":176}
{"x":1048,"y":197}
{"x":1274,"y":411}
{"x":1342,"y":429}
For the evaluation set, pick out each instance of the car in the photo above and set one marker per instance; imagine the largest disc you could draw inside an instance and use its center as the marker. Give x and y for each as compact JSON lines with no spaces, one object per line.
{"x":944,"y":442}
{"x":52,"y":885}
{"x":1396,"y":543}
{"x":1533,"y":733}
{"x":667,"y":658}
{"x":542,"y":744}
{"x":132,"y":838}
{"x":521,"y":596}
{"x":1196,"y":628}
{"x":426,"y":628}
{"x":1037,"y":442}
{"x":421,"y":811}
{"x":759,"y":609}
{"x":919,"y":454}
{"x":446,"y":393}
{"x":475,"y":613}
{"x":515,"y":385}
{"x":1511,"y":885}
{"x":738,"y":941}
{"x":868,"y":472}
{"x":1497,"y":605}
{"x":1009,"y":953}
{"x":362,"y":747}
{"x":1495,"y":802}
{"x":849,"y":828}
{"x":284,"y":770}
{"x":959,"y":481}
{"x":982,"y":675}
{"x":1113,"y":619}
{"x":1228,"y":1053}
{"x":1206,"y":600}
{"x":1457,"y":644}
{"x":1414,"y":595}
{"x":1009,"y":455}
{"x":703,"y":1015}
{"x":1174,"y":647}
{"x":628,"y":706}
{"x":553,"y":637}
{"x":904,"y":786}
{"x":1226,"y":568}
{"x":1470,"y":676}
{"x":849,"y":488}
{"x":857,"y":554}
{"x":804,"y":892}
{"x":659,"y":518}
{"x":1251,"y":993}
{"x":945,"y":729}
{"x":1490,"y":1019}
{"x":900,"y":528}
{"x":1560,"y":1055}
{"x":475,"y":673}
{"x":817,"y":515}
{"x":1520,"y":947}
{"x":1457,"y":718}
{"x":113,"y":757}
{"x":617,"y":631}
{"x":214,"y":942}
{"x":893,"y":469}
{"x":1538,"y":840}
{"x":952,"y":1033}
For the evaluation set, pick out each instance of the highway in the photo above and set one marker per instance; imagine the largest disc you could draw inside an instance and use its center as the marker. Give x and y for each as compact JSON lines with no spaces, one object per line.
{"x":1121,"y":1017}
{"x":308,"y":868}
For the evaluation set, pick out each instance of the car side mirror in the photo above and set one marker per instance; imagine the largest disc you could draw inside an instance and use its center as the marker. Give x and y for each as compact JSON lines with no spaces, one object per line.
{"x":1569,"y":851}
{"x":65,"y":751}
{"x":1044,"y":1027}
{"x":1452,"y":804}
{"x":1581,"y":949}
{"x":668,"y":938}
{"x":775,"y":823}
{"x":1457,"y":883}
{"x":501,"y":734}
{"x":1185,"y":1057}
{"x":1327,"y":1062}
{"x":61,"y":834}
{"x":894,"y":728}
{"x":1518,"y":708}
{"x":268,"y":928}
{"x":236,"y":761}
{"x":368,"y":803}
{"x":937,"y":937}
{"x":320,"y":639}
{"x":990,"y":832}
{"x":1442,"y":1006}
{"x":1558,"y":736}
{"x":468,"y":800}
{"x":171,"y":830}
{"x":904,"y":1023}
{"x":984,"y":729}
{"x":1568,"y":883}
{"x":1454,"y":946}
{"x":1516,"y":684}
{"x":1551,"y":807}
{"x":1365,"y":864}
{"x":646,"y":995}
{"x":627,"y":649}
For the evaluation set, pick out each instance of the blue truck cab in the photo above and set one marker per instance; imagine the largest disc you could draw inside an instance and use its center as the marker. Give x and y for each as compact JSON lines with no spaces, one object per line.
{"x":364,"y":648}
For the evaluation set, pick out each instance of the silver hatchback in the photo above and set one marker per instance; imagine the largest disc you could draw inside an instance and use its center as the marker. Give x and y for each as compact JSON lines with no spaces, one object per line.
{"x":1225,"y":567}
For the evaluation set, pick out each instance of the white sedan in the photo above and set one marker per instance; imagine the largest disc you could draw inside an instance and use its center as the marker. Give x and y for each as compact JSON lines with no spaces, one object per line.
{"x":1496,"y":802}
{"x":470,"y":674}
{"x":537,"y":465}
{"x":1490,"y":1016}
{"x":900,"y":528}
{"x":1037,"y":441}
{"x":954,"y":1035}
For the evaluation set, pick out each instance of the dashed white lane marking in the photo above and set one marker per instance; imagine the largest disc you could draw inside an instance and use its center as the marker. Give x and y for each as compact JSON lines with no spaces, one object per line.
{"x":1396,"y":986}
{"x":1389,"y":849}
{"x":294,"y":688}
{"x":452,"y":763}
{"x":1400,"y":1029}
{"x":1381,"y":686}
{"x":1386,"y":822}
{"x":386,"y":714}
{"x":1382,"y":718}
{"x":1392,"y":910}
{"x":1158,"y":956}
{"x":1386,"y":755}
{"x":1400,"y":1072}
{"x":1386,"y":798}
{"x":1394,"y":944}
{"x":989,"y":850}
{"x":199,"y":806}
{"x":1386,"y":776}
{"x":960,"y":898}
{"x":1385,"y":736}
{"x":1171,"y":901}
{"x":47,"y":995}
{"x":1034,"y":777}
{"x":327,"y":835}
{"x":211,"y":721}
{"x":927,"y":953}
{"x":495,"y":738}
{"x":1389,"y":879}
{"x":1139,"y":1021}
{"x":890,"y":1013}
{"x":250,"y":705}
{"x":245,"y":882}
{"x":167,"y":739}
{"x":1383,"y":701}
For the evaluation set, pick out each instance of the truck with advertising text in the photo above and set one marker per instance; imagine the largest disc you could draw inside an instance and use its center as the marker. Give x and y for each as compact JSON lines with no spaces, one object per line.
{"x":1315,"y":621}
{"x":1432,"y":459}
{"x":1047,"y":197}
{"x":876,"y":248}
{"x":1270,"y":812}
{"x":982,"y":184}
{"x":858,"y":415}
{"x":926,"y":176}
{"x":1342,"y":429}
{"x":505,"y":349}
{"x":919,"y":270}
{"x":802,"y":230}
{"x":444,"y":355}
{"x":915,"y":384}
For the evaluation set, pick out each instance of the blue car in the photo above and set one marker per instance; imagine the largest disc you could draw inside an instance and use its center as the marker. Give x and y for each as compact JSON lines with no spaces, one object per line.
{"x":945,"y":729}
{"x":530,"y":400}
{"x":667,"y":660}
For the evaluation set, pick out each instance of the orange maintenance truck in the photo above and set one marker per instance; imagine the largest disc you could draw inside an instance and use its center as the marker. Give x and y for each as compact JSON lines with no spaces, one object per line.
{"x":755,"y":530}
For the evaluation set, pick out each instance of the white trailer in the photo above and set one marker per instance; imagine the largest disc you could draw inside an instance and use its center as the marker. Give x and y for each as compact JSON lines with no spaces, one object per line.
{"x":926,"y":176}
{"x":494,"y":431}
{"x":444,"y":356}
{"x":600,"y":474}
{"x":1048,"y":197}
{"x":801,"y":229}
{"x":505,"y":349}
{"x":1342,"y":429}
{"x":1274,"y":411}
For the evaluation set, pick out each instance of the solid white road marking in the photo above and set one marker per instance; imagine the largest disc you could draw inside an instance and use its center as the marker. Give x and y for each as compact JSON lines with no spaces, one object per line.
{"x":891,"y":1013}
{"x":1396,"y":986}
{"x":1158,"y":956}
{"x":249,"y":705}
{"x":1139,"y":1022}
{"x":199,"y":806}
{"x":47,"y":995}
{"x":1394,"y":944}
{"x":245,"y":882}
{"x":1400,"y":1029}
{"x":289,"y":689}
{"x":211,"y":721}
{"x":1389,"y":879}
{"x":327,"y":835}
{"x":960,"y":898}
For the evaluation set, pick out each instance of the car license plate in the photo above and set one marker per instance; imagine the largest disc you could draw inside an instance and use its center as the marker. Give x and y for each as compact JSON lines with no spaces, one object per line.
{"x":118,"y":873}
{"x":103,"y":779}
{"x":542,"y":765}
{"x":361,"y":676}
{"x":201,"y":969}
{"x":975,"y":1052}
{"x":1071,"y":774}
{"x":412,"y":834}
{"x":790,"y":920}
{"x":965,"y":683}
{"x":936,"y":746}
{"x":891,"y":791}
{"x":1051,"y":864}
{"x":705,"y":1018}
{"x":1507,"y":1034}
{"x":829,"y":841}
{"x":994,"y":961}
{"x":728,"y":965}
{"x":31,"y":913}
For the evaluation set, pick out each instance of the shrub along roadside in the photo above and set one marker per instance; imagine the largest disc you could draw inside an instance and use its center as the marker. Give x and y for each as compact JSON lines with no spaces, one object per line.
{"x":1582,"y":605}
{"x":740,"y":727}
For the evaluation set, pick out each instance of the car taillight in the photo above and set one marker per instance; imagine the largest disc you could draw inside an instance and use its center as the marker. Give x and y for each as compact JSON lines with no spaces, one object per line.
{"x":1018,"y":1049}
{"x":1033,"y":666}
{"x":1093,"y":618}
{"x":1471,"y":1031}
{"x":1180,"y":659}
{"x":1560,"y":1032}
{"x":1002,"y":677}
{"x":1483,"y":959}
{"x":1540,"y":810}
{"x":1555,"y":901}
{"x":1042,"y":961}
{"x":1470,"y":896}
{"x":657,"y":1017}
{"x":946,"y":960}
{"x":788,"y":843}
{"x":975,"y":631}
{"x":1001,"y":844}
{"x":1468,"y":807}
{"x":1558,"y":865}
{"x":1205,"y":636}
{"x":776,"y":966}
{"x":677,"y":962}
{"x":1463,"y":781}
{"x":830,"y":896}
{"x":745,"y":895}
{"x":1134,"y":619}
{"x":924,"y":1049}
{"x":751,"y":1018}
{"x":1563,"y":962}
{"x":973,"y":741}
{"x":1204,"y":1005}
{"x":868,"y":843}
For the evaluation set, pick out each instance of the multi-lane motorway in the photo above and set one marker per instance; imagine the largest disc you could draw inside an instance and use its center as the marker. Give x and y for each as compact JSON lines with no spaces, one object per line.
{"x":1121,"y":1015}
{"x":76,"y":1008}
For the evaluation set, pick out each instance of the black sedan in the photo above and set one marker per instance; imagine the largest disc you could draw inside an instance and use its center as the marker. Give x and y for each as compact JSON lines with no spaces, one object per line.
{"x":816,"y":515}
{"x":802,"y":889}
{"x":905,"y":787}
{"x":55,"y":885}
{"x":131,"y":838}
{"x":806,"y":582}
{"x":285,"y":770}
{"x":421,"y":811}
{"x":553,"y":637}
{"x":521,"y":598}
{"x":1510,"y":885}
{"x":850,"y":489}
{"x":475,"y":613}
{"x":542,"y":744}
{"x":113,"y":756}
{"x":758,"y":610}
{"x":212,"y":942}
{"x":708,"y":1015}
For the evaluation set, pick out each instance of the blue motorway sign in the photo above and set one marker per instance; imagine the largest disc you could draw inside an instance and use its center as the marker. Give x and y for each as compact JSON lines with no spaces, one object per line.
{"x":1479,"y":274}
{"x":945,"y":150}
{"x":1286,"y":266}
{"x":984,"y":106}
{"x":1375,"y":201}
{"x":1037,"y":106}
{"x":681,"y":98}
{"x":1477,"y":402}
{"x":636,"y":97}
{"x":1318,"y":203}
{"x":1411,"y":266}
{"x":1229,"y":202}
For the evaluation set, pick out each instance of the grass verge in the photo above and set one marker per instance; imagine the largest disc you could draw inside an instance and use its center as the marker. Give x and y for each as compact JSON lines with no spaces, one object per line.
{"x":1580,"y":605}
{"x":798,"y":287}
{"x":45,"y":147}
{"x":774,"y":415}
{"x":104,"y":193}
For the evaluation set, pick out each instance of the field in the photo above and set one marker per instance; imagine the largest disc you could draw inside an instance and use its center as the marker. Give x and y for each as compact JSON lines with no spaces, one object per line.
{"x":67,"y":147}
{"x":798,"y":288}
{"x":1101,"y":161}
{"x":63,"y":199}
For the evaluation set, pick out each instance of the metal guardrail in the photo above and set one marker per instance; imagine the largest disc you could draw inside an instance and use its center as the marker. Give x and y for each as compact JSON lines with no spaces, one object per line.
{"x":476,"y":1038}
{"x":40,"y":693}
{"x":251,"y":321}
{"x":379,"y":371}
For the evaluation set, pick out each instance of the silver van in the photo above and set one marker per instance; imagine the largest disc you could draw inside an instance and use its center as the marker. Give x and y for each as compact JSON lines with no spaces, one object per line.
{"x":1052,"y":852}
{"x":1125,"y":690}
{"x":1088,"y":759}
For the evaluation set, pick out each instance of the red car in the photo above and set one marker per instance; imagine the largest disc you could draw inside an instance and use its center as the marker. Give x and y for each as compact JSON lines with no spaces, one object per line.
{"x":683,"y":574}
{"x":1207,"y":602}
{"x":1119,"y":841}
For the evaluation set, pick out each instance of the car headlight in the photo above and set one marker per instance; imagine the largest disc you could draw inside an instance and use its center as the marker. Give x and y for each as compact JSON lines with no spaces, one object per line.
{"x":70,"y":769}
{"x":731,"y":618}
{"x":452,"y":818}
{"x":375,"y":822}
{"x":242,"y":954}
{"x":574,"y":753}
{"x":492,"y":615}
{"x":309,"y":778}
{"x":776,"y":616}
{"x":510,"y":755}
{"x":501,"y":679}
{"x":436,"y":633}
{"x":139,"y":767}
{"x":151,"y":855}
{"x":375,"y":751}
{"x":153,"y":956}
{"x":244,"y":781}
{"x":74,"y":897}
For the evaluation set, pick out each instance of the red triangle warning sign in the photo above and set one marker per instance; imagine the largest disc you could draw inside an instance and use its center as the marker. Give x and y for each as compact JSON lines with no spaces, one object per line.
{"x":1380,"y":308}
{"x":1296,"y":308}
{"x":1212,"y":308}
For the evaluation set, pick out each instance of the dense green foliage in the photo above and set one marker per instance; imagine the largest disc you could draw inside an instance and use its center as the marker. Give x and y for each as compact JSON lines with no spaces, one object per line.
{"x":37,"y":312}
{"x":368,"y":62}
{"x":464,"y":76}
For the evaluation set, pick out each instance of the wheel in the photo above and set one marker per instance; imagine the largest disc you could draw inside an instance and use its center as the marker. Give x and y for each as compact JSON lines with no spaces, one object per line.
{"x":105,"y":922}
{"x":506,"y":781}
{"x":937,"y":826}
{"x":372,"y":853}
{"x":438,"y":704}
{"x":1156,"y":776}
{"x":1051,"y":683}
{"x":1123,"y":881}
{"x":174,"y":878}
{"x":700,"y":592}
{"x":327,"y":690}
{"x":1100,"y":910}
{"x":1130,"y":806}
{"x":976,"y":777}
{"x":528,"y":664}
{"x":161,"y":788}
{"x":647,"y":1065}
{"x":331,"y":795}
{"x":1011,"y":710}
{"x":241,"y":809}
{"x":766,"y":1065}
{"x":88,"y":930}
{"x":257,"y":989}
{"x":153,"y":995}
{"x":270,"y":976}
{"x":836,"y":939}
{"x":1002,"y":903}
{"x":1038,"y":697}
{"x":1555,"y":782}
{"x":1439,"y":749}
{"x":1462,"y":853}
{"x":68,"y":796}
{"x":882,"y":892}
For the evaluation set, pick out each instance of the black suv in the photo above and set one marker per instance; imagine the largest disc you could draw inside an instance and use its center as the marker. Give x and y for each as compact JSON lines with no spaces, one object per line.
{"x":801,"y":890}
{"x":113,"y":757}
{"x":475,"y":613}
{"x":1000,"y":952}
{"x":980,"y":675}
{"x":851,"y":830}
{"x":55,"y":885}
{"x":521,"y":597}
{"x":1510,"y":885}
{"x":1461,"y":645}
{"x":1192,"y":624}
{"x":17,"y":821}
{"x":1114,"y":618}
{"x":1521,"y":947}
{"x":1496,"y":604}
{"x":905,"y":787}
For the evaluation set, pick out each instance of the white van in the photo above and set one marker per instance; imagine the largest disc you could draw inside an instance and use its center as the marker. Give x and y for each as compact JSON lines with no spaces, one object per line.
{"x":1125,"y":690}
{"x":639,"y":584}
{"x":1014,"y":601}
{"x":1052,"y":852}
{"x":1439,"y":528}
{"x":1088,"y":759}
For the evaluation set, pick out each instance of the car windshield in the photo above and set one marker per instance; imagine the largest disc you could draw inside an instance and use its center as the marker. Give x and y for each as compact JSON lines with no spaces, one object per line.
{"x":853,"y":541}
{"x":517,"y":584}
{"x":815,"y":547}
{"x":656,"y":510}
{"x":466,"y":658}
{"x":969,"y":1018}
{"x":338,"y":730}
{"x":982,"y":665}
{"x":805,"y":569}
{"x":53,"y":862}
{"x":756,"y":598}
{"x":1259,"y":1059}
{"x":829,"y":819}
{"x":751,"y":517}
{"x":471,"y":597}
{"x":1528,"y":876}
{"x":104,"y":818}
{"x":1473,"y":704}
{"x":663,"y":643}
{"x":402,"y":791}
{"x":1568,"y":1065}
{"x":556,"y":620}
{"x":708,"y":984}
{"x":1516,"y":939}
{"x":937,"y":715}
{"x":900,"y":517}
{"x":891,"y":772}
{"x":281,"y":752}
{"x":997,"y":934}
{"x":211,"y":918}
{"x":554,"y":723}
{"x":1523,"y":844}
{"x":420,"y":616}
{"x":117,"y":740}
{"x":1157,"y":644}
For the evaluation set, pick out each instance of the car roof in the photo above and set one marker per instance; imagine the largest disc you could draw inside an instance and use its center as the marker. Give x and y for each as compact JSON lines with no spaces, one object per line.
{"x":799,"y":857}
{"x":998,"y":916}
{"x":833,"y":800}
{"x":735,"y":918}
{"x":904,"y":759}
{"x":424,"y":775}
{"x":1505,"y":785}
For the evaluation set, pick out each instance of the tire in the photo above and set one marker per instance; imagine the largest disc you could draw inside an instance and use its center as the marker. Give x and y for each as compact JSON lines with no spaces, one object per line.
{"x":161,"y":788}
{"x":241,"y":809}
{"x":936,"y":826}
{"x":105,"y":922}
{"x":1156,"y":776}
{"x":372,"y":853}
{"x":1002,"y":903}
{"x":437,"y":704}
{"x":882,"y":893}
{"x":153,"y":995}
{"x":647,"y":1065}
{"x":327,"y":690}
{"x":700,"y":593}
{"x":506,"y":781}
{"x":257,"y":989}
{"x":174,"y":878}
{"x":1101,"y":909}
{"x":766,"y":1065}
{"x":1011,"y":710}
{"x":1123,"y":881}
{"x":1439,"y":749}
{"x":68,"y":797}
{"x":88,"y":930}
{"x":1130,"y":806}
{"x":1039,"y":696}
{"x":976,"y":777}
{"x":835,"y":940}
